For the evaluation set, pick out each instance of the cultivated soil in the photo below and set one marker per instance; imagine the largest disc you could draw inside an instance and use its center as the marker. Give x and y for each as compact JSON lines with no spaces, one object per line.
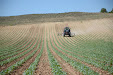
{"x":84,"y":29}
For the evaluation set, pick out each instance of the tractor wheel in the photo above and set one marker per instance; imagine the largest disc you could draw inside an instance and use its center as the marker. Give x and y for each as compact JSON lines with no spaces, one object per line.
{"x":69,"y":35}
{"x":64,"y":35}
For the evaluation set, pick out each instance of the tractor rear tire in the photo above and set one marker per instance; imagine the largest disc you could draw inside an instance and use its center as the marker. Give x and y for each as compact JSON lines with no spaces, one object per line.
{"x":64,"y":35}
{"x":69,"y":35}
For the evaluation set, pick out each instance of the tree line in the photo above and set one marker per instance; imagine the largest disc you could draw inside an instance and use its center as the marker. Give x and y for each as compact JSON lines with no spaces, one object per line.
{"x":103,"y":10}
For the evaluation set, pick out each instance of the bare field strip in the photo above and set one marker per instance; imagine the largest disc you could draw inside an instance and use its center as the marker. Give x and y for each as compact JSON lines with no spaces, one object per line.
{"x":36,"y":49}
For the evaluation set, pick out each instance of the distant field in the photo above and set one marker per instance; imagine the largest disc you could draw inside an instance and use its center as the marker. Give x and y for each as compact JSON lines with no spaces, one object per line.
{"x":31,"y":46}
{"x":60,"y":17}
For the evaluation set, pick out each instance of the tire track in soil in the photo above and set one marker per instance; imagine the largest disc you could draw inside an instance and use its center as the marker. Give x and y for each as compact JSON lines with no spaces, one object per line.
{"x":65,"y":66}
{"x":98,"y":70}
{"x":11,"y":63}
{"x":43,"y":67}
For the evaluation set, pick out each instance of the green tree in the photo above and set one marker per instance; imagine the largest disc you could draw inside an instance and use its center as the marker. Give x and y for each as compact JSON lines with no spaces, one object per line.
{"x":103,"y":10}
{"x":111,"y":11}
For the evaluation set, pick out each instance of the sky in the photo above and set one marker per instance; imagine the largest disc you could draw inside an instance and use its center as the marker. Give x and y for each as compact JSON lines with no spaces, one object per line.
{"x":22,"y":7}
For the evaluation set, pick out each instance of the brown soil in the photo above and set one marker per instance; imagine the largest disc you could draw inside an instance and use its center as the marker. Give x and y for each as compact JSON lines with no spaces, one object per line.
{"x":100,"y":71}
{"x":13,"y":36}
{"x":22,"y":46}
{"x":65,"y":66}
{"x":26,"y":65}
{"x":43,"y":67}
{"x":9,"y":64}
{"x":98,"y":29}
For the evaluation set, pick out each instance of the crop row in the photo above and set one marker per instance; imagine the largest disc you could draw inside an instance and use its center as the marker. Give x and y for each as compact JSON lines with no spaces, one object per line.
{"x":89,"y":57}
{"x":81,"y":67}
{"x":56,"y":69}
{"x":19,"y":37}
{"x":83,"y":50}
{"x":88,"y":54}
{"x":91,"y":44}
{"x":14,"y":51}
{"x":21,"y":33}
{"x":16,"y":43}
{"x":32,"y":67}
{"x":19,"y":63}
{"x":16,"y":57}
{"x":7,"y":34}
{"x":17,"y":50}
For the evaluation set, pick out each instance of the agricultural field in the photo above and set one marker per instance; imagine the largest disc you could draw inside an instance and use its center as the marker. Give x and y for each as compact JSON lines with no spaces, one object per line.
{"x":36,"y":48}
